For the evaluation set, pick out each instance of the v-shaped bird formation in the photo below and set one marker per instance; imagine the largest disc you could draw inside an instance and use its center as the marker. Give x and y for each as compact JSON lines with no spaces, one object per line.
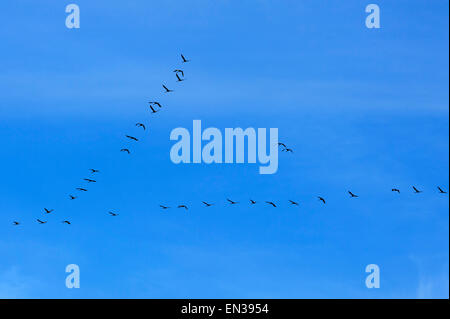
{"x":155,"y":107}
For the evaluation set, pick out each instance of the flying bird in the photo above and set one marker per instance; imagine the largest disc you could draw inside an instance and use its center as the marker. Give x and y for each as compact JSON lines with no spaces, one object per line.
{"x":183,"y":206}
{"x":156,"y":103}
{"x":184,"y":59}
{"x":164,"y":207}
{"x":321,"y":199}
{"x":232,"y":202}
{"x":282,"y":144}
{"x":441,"y":190}
{"x":153,"y":110}
{"x":140,"y":125}
{"x":287,"y":150}
{"x":40,"y":221}
{"x":352,"y":195}
{"x":66,"y":222}
{"x":293,"y":203}
{"x":48,"y":211}
{"x":89,"y":180}
{"x":207,"y":204}
{"x":178,"y":78}
{"x":82,"y":189}
{"x":113,"y":214}
{"x":179,"y":71}
{"x":396,"y":190}
{"x":72,"y":197}
{"x":252,"y":202}
{"x":272,"y":203}
{"x":167,"y":90}
{"x":416,"y":190}
{"x":16,"y":223}
{"x":131,"y":138}
{"x":94,"y":170}
{"x":125,"y":150}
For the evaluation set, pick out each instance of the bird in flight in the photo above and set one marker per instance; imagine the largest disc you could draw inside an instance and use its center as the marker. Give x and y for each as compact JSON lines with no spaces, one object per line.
{"x":184,"y":59}
{"x":93,"y":171}
{"x":89,"y":180}
{"x":179,"y":71}
{"x":231,"y":202}
{"x":48,"y":211}
{"x":140,"y":125}
{"x":131,"y":138}
{"x":164,"y":207}
{"x":113,"y":214}
{"x":321,"y":199}
{"x":288,"y":150}
{"x":125,"y":150}
{"x":282,"y":144}
{"x":72,"y":197}
{"x":156,"y":103}
{"x":252,"y":202}
{"x":66,"y":222}
{"x":352,"y":195}
{"x":207,"y":204}
{"x":167,"y":90}
{"x":293,"y":203}
{"x":183,"y":206}
{"x":16,"y":223}
{"x":416,"y":190}
{"x":272,"y":203}
{"x":153,"y":110}
{"x":396,"y":190}
{"x":82,"y":189}
{"x":178,"y":78}
{"x":441,"y":190}
{"x":40,"y":221}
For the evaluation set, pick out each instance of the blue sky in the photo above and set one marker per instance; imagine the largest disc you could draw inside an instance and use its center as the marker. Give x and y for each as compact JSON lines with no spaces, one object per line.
{"x":364,"y":110}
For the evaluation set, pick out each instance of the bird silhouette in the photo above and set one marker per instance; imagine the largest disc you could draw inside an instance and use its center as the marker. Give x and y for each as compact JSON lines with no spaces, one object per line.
{"x":396,"y":190}
{"x":140,"y":125}
{"x":178,"y":78}
{"x":183,"y":206}
{"x":164,"y":207}
{"x":125,"y":150}
{"x":113,"y":214}
{"x":167,"y":90}
{"x":89,"y":180}
{"x":207,"y":204}
{"x":252,"y":202}
{"x":272,"y":203}
{"x":48,"y":211}
{"x":231,"y":202}
{"x":93,"y":171}
{"x":82,"y":189}
{"x":131,"y":138}
{"x":153,"y":110}
{"x":72,"y":197}
{"x":321,"y":199}
{"x":288,"y":150}
{"x":352,"y":195}
{"x":282,"y":144}
{"x":184,"y":59}
{"x":293,"y":203}
{"x":16,"y":223}
{"x":441,"y":190}
{"x":40,"y":221}
{"x":416,"y":190}
{"x":179,"y":71}
{"x":66,"y":222}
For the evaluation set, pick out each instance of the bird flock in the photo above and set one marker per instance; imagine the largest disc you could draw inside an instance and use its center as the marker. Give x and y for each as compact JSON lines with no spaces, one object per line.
{"x":155,"y":107}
